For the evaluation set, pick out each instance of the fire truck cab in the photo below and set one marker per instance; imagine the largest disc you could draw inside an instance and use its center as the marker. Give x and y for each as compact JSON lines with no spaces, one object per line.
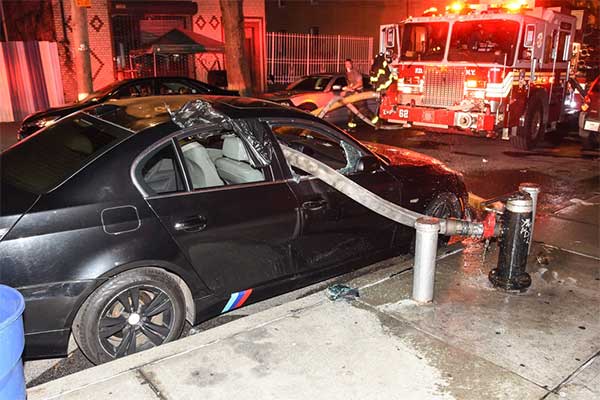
{"x":480,"y":70}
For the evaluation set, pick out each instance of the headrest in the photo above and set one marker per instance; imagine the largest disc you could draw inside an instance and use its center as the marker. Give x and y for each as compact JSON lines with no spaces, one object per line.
{"x":234,"y":149}
{"x":196,"y":152}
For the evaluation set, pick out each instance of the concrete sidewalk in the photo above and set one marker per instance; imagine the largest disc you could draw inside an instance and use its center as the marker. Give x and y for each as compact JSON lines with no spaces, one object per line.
{"x":473,"y":342}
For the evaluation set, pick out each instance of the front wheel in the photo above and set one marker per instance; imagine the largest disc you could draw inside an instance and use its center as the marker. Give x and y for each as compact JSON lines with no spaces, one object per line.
{"x":532,"y":131}
{"x":131,"y":312}
{"x":444,"y":205}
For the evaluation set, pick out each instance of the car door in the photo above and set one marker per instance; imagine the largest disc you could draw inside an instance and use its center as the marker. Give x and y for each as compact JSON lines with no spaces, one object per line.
{"x":235,"y":231}
{"x":335,"y":229}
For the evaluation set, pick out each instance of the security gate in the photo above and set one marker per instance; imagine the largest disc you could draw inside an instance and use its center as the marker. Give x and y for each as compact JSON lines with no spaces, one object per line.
{"x":291,"y":55}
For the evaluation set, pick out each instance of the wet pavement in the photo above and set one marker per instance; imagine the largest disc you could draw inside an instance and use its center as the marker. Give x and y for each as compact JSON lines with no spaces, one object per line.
{"x":492,"y":167}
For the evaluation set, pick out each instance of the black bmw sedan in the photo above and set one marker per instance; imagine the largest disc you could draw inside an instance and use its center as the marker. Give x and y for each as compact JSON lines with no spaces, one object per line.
{"x":122,"y":221}
{"x":138,"y":87}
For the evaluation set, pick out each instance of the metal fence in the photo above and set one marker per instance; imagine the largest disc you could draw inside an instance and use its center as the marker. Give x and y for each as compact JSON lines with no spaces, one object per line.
{"x":291,"y":55}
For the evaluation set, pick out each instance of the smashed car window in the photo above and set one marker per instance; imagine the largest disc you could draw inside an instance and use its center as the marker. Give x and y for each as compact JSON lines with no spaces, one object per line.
{"x":353,"y":156}
{"x":331,"y":151}
{"x":253,"y":132}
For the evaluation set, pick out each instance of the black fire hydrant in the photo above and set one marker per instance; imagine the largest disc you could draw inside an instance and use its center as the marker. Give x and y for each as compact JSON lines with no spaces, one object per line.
{"x":517,"y":221}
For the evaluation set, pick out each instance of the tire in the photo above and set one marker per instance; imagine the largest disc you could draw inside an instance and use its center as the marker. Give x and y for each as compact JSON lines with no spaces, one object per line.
{"x":444,"y":205}
{"x":308,"y":107}
{"x":533,"y":129}
{"x":590,"y":142}
{"x":131,"y":312}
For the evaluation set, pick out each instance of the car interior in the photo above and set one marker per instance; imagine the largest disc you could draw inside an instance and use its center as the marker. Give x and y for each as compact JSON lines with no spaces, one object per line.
{"x":211,"y":160}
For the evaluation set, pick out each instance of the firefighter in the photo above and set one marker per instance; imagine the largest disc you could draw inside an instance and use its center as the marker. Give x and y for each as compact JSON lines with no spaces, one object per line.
{"x":381,"y":76}
{"x":354,"y":82}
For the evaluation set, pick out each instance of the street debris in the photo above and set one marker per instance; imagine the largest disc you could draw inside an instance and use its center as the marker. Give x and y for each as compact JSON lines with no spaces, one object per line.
{"x":341,"y":292}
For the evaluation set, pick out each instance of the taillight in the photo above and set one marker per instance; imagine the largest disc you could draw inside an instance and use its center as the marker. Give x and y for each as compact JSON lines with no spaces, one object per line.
{"x":586,"y":103}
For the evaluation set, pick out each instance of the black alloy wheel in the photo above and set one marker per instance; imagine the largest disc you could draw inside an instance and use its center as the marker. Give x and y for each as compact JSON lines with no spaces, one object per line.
{"x":133,"y":311}
{"x":137,"y":319}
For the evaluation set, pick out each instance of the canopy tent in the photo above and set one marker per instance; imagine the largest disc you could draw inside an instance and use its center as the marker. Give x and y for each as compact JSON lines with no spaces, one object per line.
{"x":173,"y":49}
{"x":181,"y":41}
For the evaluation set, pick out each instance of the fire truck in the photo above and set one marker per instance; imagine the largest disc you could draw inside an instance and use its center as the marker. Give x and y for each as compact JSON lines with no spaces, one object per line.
{"x":484,"y":70}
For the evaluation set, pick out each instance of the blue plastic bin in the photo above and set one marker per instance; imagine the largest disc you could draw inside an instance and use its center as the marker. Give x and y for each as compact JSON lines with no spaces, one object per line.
{"x":12,"y":341}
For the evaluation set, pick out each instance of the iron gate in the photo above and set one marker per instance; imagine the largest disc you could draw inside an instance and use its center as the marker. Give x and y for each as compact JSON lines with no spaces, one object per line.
{"x":291,"y":56}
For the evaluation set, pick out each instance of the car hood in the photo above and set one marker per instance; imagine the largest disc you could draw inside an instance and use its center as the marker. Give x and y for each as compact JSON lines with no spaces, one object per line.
{"x":399,"y":156}
{"x":284,"y":94}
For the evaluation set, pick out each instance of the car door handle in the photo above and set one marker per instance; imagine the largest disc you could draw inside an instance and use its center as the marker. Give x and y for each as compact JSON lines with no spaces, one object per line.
{"x":192,"y":224}
{"x":314,"y":205}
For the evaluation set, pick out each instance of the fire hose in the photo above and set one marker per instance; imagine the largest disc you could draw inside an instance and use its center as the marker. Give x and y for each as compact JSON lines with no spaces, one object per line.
{"x":515,"y":231}
{"x":375,"y":203}
{"x":339,"y":102}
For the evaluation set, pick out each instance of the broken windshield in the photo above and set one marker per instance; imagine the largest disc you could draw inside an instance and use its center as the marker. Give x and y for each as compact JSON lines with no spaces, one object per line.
{"x":487,"y":41}
{"x":424,"y":41}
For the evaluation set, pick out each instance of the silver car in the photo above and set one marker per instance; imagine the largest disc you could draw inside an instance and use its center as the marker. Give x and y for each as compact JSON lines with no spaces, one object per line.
{"x":313,"y":91}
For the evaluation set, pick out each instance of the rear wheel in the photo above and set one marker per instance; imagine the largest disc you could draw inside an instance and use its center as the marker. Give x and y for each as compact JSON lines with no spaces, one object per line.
{"x":532,"y":131}
{"x":132,"y":312}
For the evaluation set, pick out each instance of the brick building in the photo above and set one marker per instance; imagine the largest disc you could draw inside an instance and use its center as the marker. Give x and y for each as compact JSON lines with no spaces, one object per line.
{"x":117,"y":26}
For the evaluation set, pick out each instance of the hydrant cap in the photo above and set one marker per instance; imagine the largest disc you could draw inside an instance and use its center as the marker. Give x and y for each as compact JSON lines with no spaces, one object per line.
{"x":520,"y":203}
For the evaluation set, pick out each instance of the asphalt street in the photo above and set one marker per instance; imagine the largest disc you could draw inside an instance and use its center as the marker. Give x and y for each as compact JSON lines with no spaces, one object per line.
{"x":490,"y":167}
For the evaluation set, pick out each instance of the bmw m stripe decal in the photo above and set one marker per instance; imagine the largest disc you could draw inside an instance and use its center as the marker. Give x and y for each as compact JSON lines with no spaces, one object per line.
{"x":236,"y":300}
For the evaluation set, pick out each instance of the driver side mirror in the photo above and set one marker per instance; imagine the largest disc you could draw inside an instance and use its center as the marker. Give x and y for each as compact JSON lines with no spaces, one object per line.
{"x":368,"y":164}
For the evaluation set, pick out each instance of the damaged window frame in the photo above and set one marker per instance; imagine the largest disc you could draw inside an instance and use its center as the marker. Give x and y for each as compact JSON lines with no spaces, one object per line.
{"x":202,"y":111}
{"x":260,"y":151}
{"x":353,"y":150}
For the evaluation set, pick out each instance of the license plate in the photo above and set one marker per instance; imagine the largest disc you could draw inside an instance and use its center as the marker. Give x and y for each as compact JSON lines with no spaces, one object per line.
{"x":591,"y":126}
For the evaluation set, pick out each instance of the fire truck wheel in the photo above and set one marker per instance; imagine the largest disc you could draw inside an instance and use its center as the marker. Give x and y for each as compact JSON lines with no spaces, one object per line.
{"x":532,"y":131}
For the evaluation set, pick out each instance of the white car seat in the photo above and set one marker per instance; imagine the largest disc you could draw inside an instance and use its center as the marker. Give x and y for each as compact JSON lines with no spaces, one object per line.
{"x":201,"y":168}
{"x":234,"y":166}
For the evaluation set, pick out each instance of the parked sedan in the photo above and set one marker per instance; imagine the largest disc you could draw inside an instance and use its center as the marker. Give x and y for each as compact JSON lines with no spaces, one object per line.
{"x":122,"y":221}
{"x":589,"y":118}
{"x":313,"y":91}
{"x":139,"y":87}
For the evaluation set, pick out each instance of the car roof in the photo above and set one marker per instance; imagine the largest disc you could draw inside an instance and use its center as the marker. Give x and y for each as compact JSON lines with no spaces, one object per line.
{"x":139,"y":113}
